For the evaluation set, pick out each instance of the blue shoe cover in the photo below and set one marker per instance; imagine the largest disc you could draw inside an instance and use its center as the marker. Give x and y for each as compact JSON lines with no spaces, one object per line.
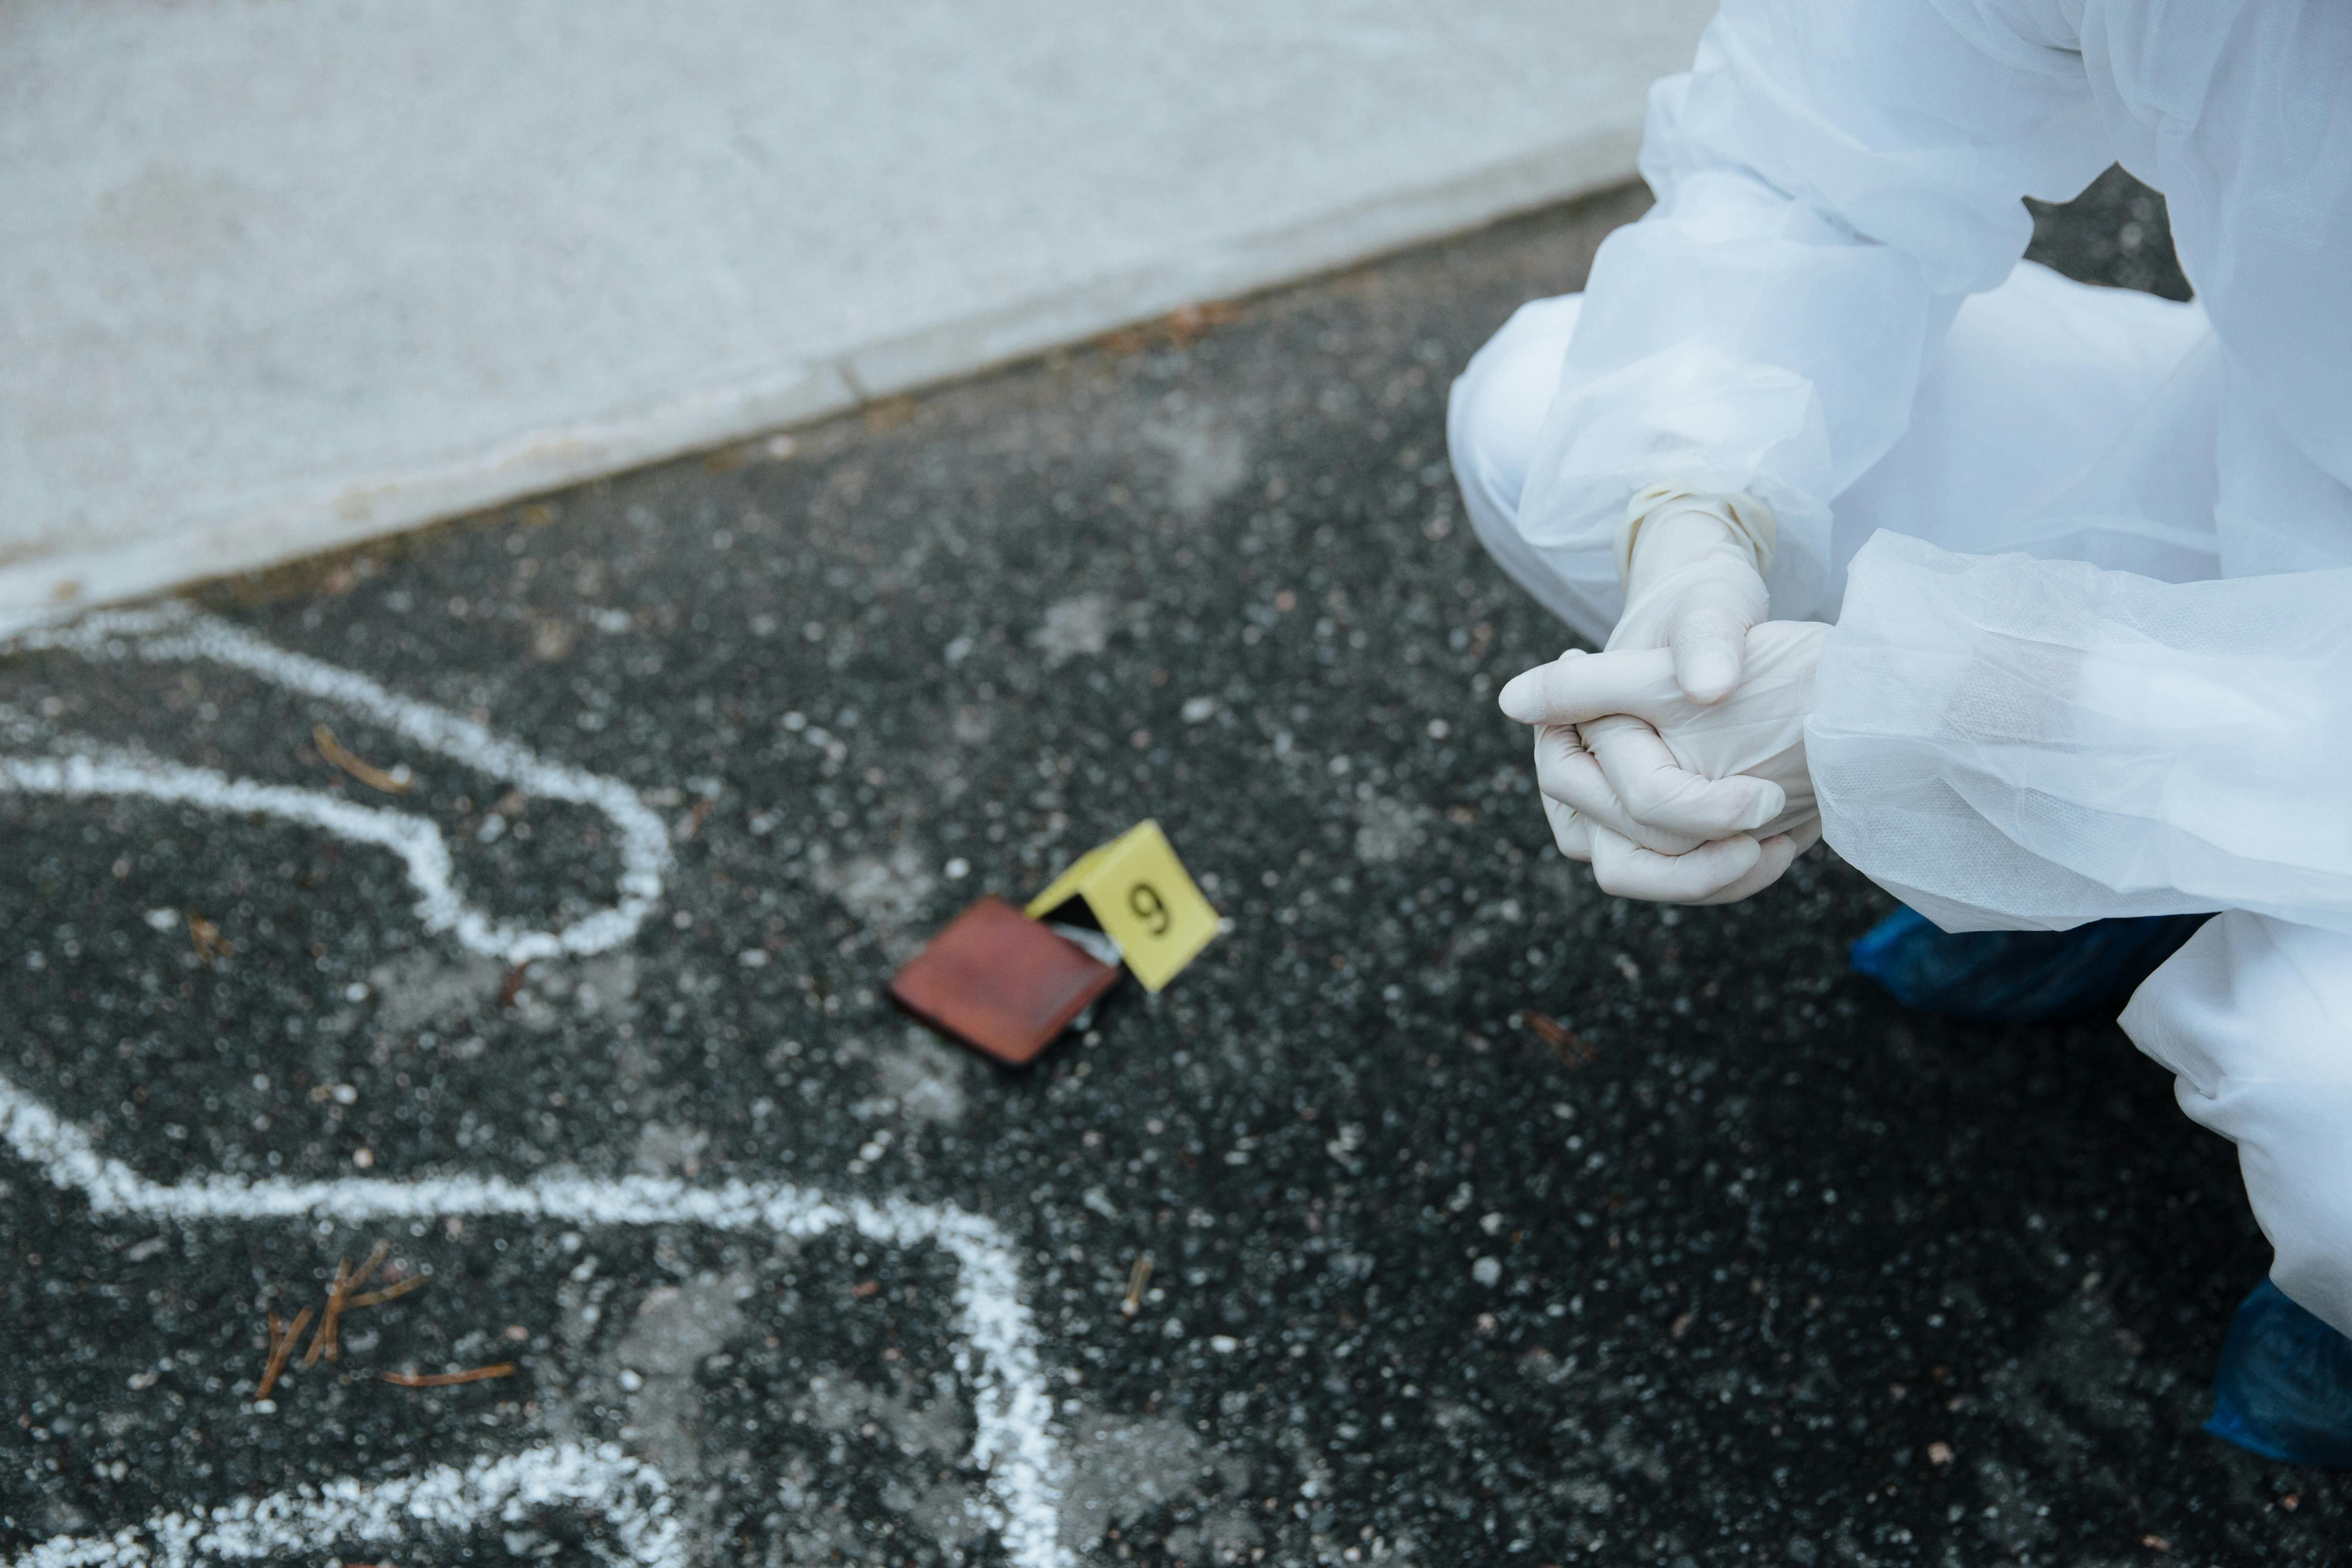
{"x":2284,"y":1390}
{"x":2018,"y":976}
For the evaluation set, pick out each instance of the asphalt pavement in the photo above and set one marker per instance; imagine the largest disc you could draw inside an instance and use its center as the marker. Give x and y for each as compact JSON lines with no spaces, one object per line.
{"x":523,"y":894}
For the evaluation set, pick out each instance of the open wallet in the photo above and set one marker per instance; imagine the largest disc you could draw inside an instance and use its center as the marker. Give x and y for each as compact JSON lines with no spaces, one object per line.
{"x":1002,"y":983}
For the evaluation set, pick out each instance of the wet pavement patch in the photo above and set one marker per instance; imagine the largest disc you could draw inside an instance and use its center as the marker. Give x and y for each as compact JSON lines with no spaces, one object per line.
{"x":1489,"y":1218}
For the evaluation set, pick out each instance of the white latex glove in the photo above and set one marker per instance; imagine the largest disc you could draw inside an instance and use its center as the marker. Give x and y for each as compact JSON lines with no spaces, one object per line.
{"x":1694,"y":567}
{"x":1748,"y":751}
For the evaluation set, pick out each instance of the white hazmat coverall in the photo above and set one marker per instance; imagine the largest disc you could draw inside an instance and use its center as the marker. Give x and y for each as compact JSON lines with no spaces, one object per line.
{"x":2089,"y":553}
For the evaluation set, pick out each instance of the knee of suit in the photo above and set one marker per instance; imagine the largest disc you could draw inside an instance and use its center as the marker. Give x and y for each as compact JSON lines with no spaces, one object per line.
{"x":2256,"y":1017}
{"x":1493,"y":422}
{"x":1498,"y":407}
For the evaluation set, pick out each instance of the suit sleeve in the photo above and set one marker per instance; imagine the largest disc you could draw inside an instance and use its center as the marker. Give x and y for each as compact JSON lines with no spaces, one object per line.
{"x":2002,"y":742}
{"x":1832,"y":177}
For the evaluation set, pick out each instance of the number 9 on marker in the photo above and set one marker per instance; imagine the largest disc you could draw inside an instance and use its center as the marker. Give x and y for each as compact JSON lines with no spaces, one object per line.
{"x":1143,"y":898}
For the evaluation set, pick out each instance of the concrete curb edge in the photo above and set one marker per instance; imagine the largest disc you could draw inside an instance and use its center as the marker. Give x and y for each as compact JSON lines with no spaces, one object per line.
{"x":272,"y":530}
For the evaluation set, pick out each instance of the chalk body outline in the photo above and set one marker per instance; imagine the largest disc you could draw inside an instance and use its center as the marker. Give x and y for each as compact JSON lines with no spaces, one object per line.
{"x":1012,"y":1443}
{"x":633,"y":1497}
{"x":1012,"y":1409}
{"x":176,"y":634}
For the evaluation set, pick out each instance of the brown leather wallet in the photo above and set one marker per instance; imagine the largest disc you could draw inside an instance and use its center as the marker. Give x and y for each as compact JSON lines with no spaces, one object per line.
{"x":1001,"y":983}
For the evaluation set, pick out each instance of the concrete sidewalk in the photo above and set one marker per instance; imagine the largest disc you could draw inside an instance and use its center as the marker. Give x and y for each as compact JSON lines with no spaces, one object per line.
{"x":277,"y":276}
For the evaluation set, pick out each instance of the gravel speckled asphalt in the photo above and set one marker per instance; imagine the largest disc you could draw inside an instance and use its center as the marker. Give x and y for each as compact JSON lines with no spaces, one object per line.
{"x":1758,"y":1268}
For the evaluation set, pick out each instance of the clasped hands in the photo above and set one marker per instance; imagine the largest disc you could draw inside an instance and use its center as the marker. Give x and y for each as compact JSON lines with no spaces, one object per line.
{"x":1674,"y":759}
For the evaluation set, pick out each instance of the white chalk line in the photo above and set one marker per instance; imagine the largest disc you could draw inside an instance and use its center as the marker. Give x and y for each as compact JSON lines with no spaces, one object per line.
{"x":177,"y":634}
{"x":632,"y":1496}
{"x":1013,"y":1410}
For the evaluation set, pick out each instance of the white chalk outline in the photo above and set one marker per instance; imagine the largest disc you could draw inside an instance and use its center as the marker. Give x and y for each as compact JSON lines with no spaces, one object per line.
{"x":633,"y":1496}
{"x":175,"y":633}
{"x":1012,"y":1409}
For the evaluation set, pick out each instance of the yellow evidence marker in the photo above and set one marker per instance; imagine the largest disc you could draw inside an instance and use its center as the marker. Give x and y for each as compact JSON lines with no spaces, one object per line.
{"x":1144,"y":899}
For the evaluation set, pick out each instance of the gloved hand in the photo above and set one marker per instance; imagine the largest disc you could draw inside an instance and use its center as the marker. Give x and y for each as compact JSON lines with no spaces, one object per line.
{"x":1687,"y":802}
{"x":1693,"y":565}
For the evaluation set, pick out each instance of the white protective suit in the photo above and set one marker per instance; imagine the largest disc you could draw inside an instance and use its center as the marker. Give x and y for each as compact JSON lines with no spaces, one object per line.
{"x":2099,"y":660}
